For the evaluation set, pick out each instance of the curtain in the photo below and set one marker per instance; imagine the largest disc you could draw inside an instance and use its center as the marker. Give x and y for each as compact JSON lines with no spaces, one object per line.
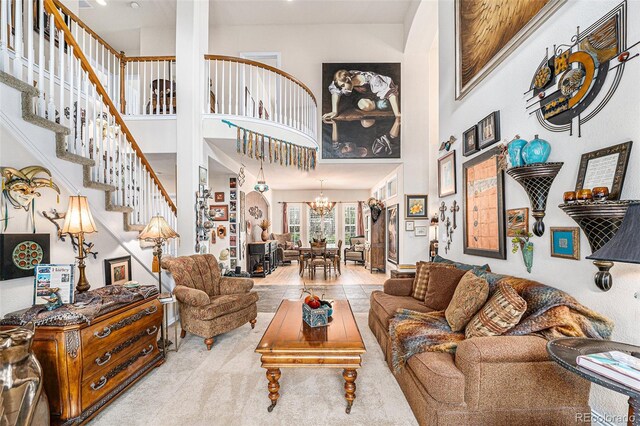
{"x":360,"y":219}
{"x":285,"y":219}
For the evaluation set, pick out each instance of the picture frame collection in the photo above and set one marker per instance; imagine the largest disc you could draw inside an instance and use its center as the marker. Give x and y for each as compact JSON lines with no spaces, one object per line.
{"x":233,"y":228}
{"x":481,"y":135}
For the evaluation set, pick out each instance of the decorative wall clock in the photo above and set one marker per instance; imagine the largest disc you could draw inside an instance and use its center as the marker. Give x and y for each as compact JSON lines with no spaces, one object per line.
{"x":565,"y":87}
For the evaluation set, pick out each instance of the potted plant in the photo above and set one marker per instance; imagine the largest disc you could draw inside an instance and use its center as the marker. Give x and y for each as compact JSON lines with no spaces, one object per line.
{"x":521,"y":241}
{"x":264,"y":225}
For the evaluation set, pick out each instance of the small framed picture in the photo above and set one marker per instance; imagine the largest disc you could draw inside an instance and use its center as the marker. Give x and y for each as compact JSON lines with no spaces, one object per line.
{"x":233,"y":252}
{"x":233,"y":195}
{"x":219,"y":212}
{"x":421,"y":231}
{"x":233,"y":263}
{"x":470,"y":141}
{"x":605,"y":167}
{"x":447,"y":175}
{"x":233,"y":240}
{"x":202,"y":175}
{"x":415,"y":207}
{"x":232,"y":217}
{"x":233,"y":182}
{"x":233,"y":228}
{"x":565,"y":243}
{"x":219,"y":197}
{"x":489,"y":130}
{"x":409,"y":225}
{"x":517,"y":221}
{"x":222,"y":231}
{"x":232,"y":206}
{"x":117,"y":270}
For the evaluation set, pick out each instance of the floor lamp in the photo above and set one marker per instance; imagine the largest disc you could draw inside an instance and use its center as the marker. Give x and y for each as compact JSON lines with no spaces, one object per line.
{"x":158,"y":231}
{"x":77,"y":222}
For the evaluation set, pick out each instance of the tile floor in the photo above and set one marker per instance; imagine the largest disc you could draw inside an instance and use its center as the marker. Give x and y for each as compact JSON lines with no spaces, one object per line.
{"x":357,"y":294}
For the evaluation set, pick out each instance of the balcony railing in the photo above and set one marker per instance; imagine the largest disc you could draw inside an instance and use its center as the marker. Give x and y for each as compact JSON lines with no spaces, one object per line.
{"x":149,"y":85}
{"x":245,"y":88}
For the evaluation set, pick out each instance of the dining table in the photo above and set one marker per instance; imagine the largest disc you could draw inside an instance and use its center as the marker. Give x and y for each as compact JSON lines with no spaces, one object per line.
{"x":305,"y":254}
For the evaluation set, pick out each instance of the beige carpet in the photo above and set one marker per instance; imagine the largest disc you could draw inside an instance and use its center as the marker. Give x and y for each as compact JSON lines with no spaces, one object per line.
{"x":227,"y":386}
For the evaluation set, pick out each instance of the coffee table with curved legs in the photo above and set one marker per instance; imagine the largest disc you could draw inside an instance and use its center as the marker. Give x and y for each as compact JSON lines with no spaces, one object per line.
{"x":288,"y":342}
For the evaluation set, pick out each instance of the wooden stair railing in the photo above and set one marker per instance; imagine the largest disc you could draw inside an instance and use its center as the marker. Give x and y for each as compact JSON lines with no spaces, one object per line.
{"x":51,"y":8}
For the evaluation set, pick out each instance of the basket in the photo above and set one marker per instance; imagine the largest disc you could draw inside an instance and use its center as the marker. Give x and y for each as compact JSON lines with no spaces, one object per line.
{"x":315,"y":317}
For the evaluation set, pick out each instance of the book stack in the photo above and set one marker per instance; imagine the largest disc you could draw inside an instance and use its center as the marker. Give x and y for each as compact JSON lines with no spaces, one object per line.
{"x":617,"y":366}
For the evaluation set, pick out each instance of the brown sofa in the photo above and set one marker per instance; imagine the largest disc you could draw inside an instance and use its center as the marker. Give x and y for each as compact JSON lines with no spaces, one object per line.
{"x":503,"y":380}
{"x":210,"y":304}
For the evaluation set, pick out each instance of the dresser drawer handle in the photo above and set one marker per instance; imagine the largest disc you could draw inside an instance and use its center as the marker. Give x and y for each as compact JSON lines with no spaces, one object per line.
{"x":147,"y":351}
{"x":152,"y":330}
{"x":103,"y":359}
{"x":151,"y":310}
{"x":102,"y":334}
{"x":100,"y":385}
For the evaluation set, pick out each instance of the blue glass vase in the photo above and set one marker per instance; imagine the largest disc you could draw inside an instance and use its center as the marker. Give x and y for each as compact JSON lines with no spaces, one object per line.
{"x":515,"y":151}
{"x":536,"y":151}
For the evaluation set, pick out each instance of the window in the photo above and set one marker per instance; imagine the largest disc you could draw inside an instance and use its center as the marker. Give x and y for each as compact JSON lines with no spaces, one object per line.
{"x":323,"y":227}
{"x":293,"y":216}
{"x":350,"y":218}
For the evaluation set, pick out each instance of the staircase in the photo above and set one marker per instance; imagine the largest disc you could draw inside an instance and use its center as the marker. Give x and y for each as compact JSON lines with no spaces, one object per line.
{"x":62,"y":92}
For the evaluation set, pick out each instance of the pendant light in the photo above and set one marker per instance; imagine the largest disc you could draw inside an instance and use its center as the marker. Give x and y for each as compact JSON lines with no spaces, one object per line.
{"x":261,"y":186}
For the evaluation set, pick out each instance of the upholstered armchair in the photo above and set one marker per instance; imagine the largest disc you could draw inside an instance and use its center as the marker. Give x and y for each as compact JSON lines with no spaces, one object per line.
{"x":355,"y":251}
{"x":210,"y":304}
{"x":286,"y":248}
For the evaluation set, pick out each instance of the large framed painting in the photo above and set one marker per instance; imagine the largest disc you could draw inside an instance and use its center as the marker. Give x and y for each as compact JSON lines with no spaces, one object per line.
{"x":360,"y":110}
{"x":487,"y":31}
{"x":20,"y":253}
{"x":393,"y":232}
{"x":484,"y":215}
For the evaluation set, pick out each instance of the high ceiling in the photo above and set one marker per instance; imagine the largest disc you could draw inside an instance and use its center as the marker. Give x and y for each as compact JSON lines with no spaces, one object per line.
{"x":119,"y":24}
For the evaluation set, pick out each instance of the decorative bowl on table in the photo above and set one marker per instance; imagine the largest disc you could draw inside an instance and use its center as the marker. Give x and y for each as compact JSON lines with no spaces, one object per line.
{"x":318,"y":317}
{"x":131,"y":284}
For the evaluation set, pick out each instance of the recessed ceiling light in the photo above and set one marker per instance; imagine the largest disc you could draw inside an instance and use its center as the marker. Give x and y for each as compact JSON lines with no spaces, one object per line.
{"x":134,"y":5}
{"x":102,"y":2}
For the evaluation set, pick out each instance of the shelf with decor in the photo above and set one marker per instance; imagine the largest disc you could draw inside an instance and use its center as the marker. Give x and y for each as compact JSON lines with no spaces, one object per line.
{"x":599,"y":220}
{"x":536,"y":179}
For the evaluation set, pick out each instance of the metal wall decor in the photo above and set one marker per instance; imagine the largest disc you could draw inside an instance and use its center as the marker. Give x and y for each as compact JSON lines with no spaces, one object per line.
{"x":455,"y":208}
{"x":446,"y":145}
{"x":442,"y":210}
{"x":567,"y":84}
{"x":536,"y":179}
{"x":605,"y":167}
{"x":54,"y":217}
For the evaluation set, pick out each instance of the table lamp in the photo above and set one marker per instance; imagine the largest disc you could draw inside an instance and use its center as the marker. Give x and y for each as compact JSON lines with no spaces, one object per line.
{"x":158,"y":231}
{"x":77,"y":222}
{"x":623,"y":247}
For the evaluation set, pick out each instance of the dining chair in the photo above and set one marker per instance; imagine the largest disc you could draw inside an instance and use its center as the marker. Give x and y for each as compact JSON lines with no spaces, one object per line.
{"x":319,"y":259}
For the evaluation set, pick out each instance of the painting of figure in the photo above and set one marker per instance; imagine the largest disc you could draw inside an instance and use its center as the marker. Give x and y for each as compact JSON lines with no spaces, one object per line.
{"x":360,"y":110}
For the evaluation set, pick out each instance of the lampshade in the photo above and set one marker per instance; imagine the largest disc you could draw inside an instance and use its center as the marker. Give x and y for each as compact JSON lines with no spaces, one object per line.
{"x":157,"y":228}
{"x":623,"y":247}
{"x":78,"y":218}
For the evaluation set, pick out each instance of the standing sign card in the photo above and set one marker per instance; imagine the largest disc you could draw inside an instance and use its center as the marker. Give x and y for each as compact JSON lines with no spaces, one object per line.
{"x":51,"y":277}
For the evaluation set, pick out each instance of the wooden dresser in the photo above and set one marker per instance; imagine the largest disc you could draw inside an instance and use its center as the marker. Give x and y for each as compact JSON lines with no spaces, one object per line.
{"x":86,"y":366}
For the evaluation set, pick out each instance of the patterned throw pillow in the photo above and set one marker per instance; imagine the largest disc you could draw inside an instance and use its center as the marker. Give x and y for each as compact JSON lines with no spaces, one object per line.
{"x":501,"y":313}
{"x":421,"y":280}
{"x":470,"y":295}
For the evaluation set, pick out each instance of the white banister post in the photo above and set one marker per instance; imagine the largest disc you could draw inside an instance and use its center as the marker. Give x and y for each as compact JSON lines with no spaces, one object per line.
{"x":192,"y":40}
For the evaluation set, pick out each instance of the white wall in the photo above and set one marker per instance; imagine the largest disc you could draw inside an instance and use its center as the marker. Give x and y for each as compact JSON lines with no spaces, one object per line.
{"x":616,"y":123}
{"x":18,"y":293}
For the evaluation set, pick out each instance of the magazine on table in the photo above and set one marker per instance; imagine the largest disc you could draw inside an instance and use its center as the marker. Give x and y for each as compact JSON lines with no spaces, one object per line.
{"x":50,"y":277}
{"x":614,"y":365}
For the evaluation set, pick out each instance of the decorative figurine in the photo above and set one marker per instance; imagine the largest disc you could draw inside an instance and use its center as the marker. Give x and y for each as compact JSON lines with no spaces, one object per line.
{"x":54,"y":301}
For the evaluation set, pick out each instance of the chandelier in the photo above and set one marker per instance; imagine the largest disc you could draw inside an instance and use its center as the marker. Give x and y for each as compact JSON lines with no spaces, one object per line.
{"x":321,"y":205}
{"x":261,"y":186}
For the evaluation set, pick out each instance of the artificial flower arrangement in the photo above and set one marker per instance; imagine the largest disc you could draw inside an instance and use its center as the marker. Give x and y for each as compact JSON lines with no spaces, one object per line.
{"x":376,"y":207}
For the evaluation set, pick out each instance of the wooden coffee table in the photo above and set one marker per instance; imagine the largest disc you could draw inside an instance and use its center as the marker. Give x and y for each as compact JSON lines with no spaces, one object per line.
{"x":290,"y":342}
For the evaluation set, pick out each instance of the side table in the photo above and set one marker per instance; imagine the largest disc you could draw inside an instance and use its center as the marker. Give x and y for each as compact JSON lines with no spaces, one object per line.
{"x":164,"y":342}
{"x":565,"y":350}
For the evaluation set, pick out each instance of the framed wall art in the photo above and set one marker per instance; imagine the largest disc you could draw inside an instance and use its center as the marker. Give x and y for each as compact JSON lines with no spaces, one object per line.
{"x":219,"y":212}
{"x":565,"y":243}
{"x":517,"y":221}
{"x":20,"y":253}
{"x":233,"y":195}
{"x":203,"y":176}
{"x":447,"y":175}
{"x":415,"y":207}
{"x":605,"y":167}
{"x":489,"y":130}
{"x":409,"y":225}
{"x":470,"y":141}
{"x":219,"y":197}
{"x":117,"y":270}
{"x":233,"y":183}
{"x":361,"y":110}
{"x":393,"y":232}
{"x":484,"y":38}
{"x":484,"y":215}
{"x":421,"y":231}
